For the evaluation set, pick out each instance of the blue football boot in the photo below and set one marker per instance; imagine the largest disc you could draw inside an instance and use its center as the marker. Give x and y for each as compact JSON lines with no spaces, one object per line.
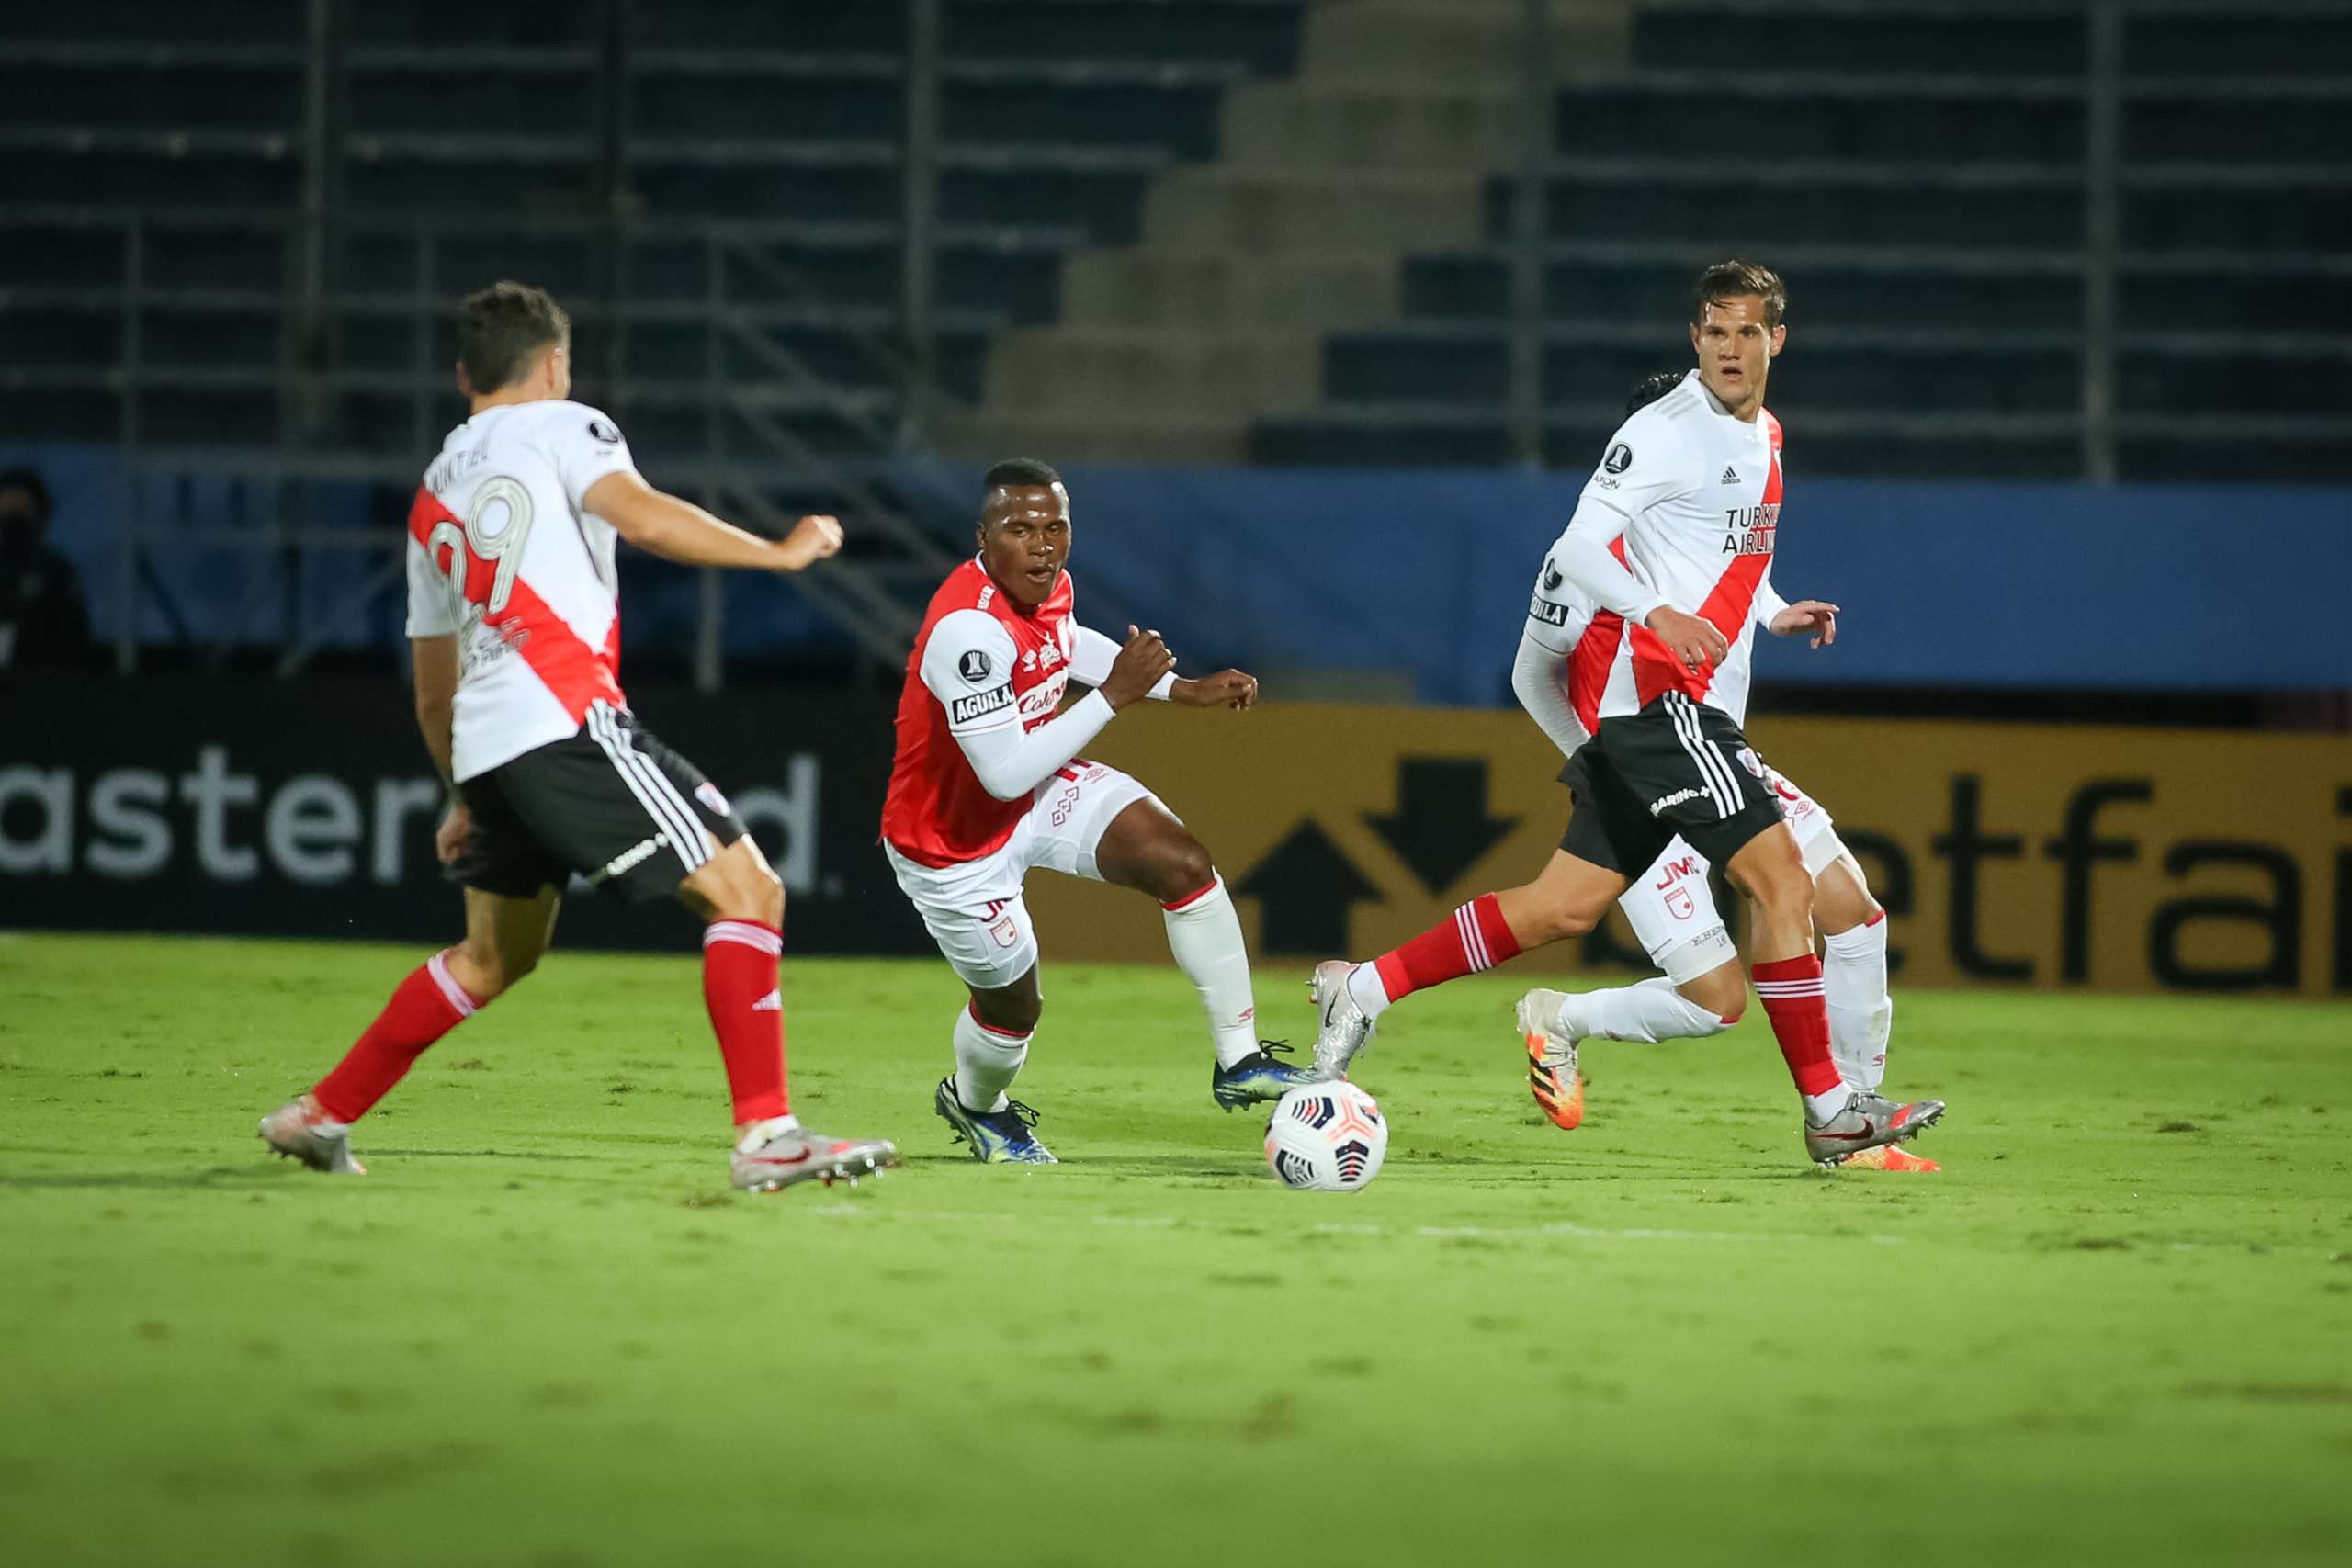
{"x":996,"y":1137}
{"x":1258,"y":1078}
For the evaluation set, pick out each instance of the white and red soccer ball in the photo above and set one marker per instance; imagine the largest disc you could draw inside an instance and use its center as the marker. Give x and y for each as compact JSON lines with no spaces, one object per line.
{"x":1327,"y":1138}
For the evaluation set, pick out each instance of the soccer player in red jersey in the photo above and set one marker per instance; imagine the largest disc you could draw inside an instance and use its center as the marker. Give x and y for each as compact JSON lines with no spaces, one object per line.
{"x":1673,"y":539}
{"x":987,"y":783}
{"x":514,"y":617}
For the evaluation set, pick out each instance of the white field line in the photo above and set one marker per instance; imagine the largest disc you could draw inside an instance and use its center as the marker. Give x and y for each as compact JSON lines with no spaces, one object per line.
{"x":1558,"y":1228}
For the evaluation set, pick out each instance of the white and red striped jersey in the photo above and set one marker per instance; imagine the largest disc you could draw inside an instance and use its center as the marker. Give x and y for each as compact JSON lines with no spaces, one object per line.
{"x":504,"y":554}
{"x":982,"y":661}
{"x":1691,"y":497}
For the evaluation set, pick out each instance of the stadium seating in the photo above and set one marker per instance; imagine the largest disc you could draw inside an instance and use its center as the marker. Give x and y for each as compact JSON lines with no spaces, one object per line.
{"x":1917,"y":169}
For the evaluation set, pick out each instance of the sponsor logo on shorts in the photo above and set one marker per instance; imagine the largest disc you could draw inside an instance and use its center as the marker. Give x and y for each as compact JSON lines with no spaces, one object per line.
{"x":974,"y":666}
{"x":630,"y":858}
{"x":707,"y":793}
{"x":963,"y":710}
{"x":1676,"y":798}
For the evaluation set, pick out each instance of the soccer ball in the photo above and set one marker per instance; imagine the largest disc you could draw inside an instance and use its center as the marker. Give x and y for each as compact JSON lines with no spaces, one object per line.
{"x":1329,"y":1137}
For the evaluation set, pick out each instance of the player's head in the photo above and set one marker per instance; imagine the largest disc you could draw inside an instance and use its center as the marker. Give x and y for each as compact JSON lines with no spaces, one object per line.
{"x":1735,"y":328}
{"x":1025,"y":528}
{"x":514,"y":344}
{"x":1650,"y":389}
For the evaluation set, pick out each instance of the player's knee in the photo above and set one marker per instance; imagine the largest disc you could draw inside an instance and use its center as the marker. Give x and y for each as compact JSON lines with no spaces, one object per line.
{"x":485,"y":972}
{"x":1183,"y":869}
{"x":1011,"y":1011}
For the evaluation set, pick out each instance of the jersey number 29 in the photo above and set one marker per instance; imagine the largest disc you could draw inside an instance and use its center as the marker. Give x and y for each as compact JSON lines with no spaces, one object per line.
{"x":496,"y":525}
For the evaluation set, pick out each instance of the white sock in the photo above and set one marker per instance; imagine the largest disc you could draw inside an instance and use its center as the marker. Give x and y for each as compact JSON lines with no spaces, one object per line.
{"x":1649,"y":1012}
{"x":1206,"y":938}
{"x":986,"y":1063}
{"x":1820,"y":1108}
{"x":759,"y":1133}
{"x":1364,"y":985}
{"x":1861,"y":1015}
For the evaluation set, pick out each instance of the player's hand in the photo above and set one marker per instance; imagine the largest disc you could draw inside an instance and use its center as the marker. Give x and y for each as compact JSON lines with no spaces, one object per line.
{"x":811,"y":540}
{"x":1138,"y":669}
{"x":1227,"y":688}
{"x":1814,"y":616}
{"x":1693,"y":639}
{"x":449,"y":839}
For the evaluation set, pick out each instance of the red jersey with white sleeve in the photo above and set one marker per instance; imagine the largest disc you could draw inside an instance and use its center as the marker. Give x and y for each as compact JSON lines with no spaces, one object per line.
{"x":504,"y":554}
{"x":1687,"y":501}
{"x":981,"y":663}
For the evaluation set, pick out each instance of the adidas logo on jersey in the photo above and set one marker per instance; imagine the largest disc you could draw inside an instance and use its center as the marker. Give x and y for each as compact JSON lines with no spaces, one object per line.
{"x":1731,"y":476}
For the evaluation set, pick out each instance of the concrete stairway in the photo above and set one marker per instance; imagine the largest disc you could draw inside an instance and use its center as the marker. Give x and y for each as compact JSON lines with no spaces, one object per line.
{"x":1166,"y":350}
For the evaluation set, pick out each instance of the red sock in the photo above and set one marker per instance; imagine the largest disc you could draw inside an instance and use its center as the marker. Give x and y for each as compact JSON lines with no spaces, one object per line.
{"x":1471,"y":939}
{"x":746,"y":1002}
{"x":1790,"y":989}
{"x":425,"y":1007}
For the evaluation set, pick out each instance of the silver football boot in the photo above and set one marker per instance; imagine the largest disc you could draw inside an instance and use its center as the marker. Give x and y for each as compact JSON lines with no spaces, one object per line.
{"x":298,"y":1130}
{"x":799,"y":1154}
{"x":1342,"y":1029}
{"x":1868,"y":1120}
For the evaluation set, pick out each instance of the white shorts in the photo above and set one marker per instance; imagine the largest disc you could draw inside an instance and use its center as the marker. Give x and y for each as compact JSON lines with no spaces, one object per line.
{"x":974,"y":910}
{"x":1672,"y":909}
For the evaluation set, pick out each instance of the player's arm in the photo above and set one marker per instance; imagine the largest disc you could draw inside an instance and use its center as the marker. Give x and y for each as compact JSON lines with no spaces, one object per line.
{"x":1539,"y":678}
{"x":662,"y":525}
{"x":1780,"y":617}
{"x":968,"y":664}
{"x":434,"y":663}
{"x":1584,"y":555}
{"x":1092,"y":656}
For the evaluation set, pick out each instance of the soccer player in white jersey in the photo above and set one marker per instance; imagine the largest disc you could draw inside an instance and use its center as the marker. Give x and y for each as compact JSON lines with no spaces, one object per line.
{"x":1670,"y":905}
{"x":1674,"y":534}
{"x":514,"y":617}
{"x":987,"y":783}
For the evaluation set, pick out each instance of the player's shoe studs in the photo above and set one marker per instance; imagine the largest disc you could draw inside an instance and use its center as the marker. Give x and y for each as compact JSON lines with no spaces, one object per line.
{"x":1867,"y":1122}
{"x":799,"y":1154}
{"x":1552,"y":1074}
{"x":1257,"y":1080}
{"x":1888,"y":1156}
{"x":995,"y":1137}
{"x":1342,"y":1030}
{"x":298,"y":1130}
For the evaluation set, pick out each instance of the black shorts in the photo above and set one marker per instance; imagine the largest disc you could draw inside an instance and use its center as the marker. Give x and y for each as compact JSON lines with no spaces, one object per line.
{"x":1677,"y":766}
{"x":611,"y":803}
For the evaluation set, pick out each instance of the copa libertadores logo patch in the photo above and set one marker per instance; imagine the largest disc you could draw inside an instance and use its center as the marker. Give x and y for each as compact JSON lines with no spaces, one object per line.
{"x":1620,"y":459}
{"x":605,"y":431}
{"x":974,"y":666}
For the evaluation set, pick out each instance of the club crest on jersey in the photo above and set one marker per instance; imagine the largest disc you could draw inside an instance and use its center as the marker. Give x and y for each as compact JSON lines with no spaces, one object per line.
{"x":707,"y":793}
{"x":1750,"y":761}
{"x":1620,"y":459}
{"x":604,"y":430}
{"x":963,"y":710}
{"x":974,"y":666}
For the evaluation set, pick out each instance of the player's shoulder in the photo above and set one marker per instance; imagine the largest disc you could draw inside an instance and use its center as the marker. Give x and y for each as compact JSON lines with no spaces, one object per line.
{"x":1659,"y":436}
{"x":563,"y":421}
{"x":1771,"y":427}
{"x":970,"y":642}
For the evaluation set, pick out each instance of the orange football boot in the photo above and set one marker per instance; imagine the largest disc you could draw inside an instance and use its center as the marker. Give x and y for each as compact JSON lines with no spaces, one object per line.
{"x":1552,"y":1074}
{"x":1888,"y":1156}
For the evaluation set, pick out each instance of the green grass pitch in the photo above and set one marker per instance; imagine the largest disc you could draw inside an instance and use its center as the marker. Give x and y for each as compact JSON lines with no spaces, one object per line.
{"x":2117,"y":1328}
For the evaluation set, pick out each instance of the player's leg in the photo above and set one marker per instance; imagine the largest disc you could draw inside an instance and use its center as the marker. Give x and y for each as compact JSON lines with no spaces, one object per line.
{"x":1096,"y":822}
{"x":1853,"y":977}
{"x":975,"y":914}
{"x":1568,"y":898}
{"x":631,"y":814}
{"x":510,"y":905}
